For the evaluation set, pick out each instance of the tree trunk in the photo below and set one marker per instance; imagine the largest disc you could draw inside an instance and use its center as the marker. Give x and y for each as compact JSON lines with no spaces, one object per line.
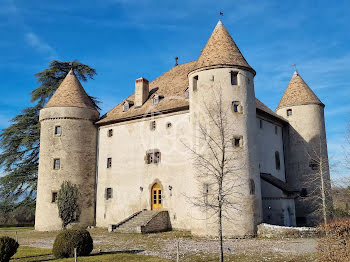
{"x":220,"y":235}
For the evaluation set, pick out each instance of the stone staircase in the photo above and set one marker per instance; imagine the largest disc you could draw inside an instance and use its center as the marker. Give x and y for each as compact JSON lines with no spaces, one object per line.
{"x":146,"y":221}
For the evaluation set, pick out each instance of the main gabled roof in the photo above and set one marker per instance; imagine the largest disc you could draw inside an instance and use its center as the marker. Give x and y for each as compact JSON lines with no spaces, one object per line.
{"x":298,"y":93}
{"x":221,"y":50}
{"x":70,"y":93}
{"x":172,"y":86}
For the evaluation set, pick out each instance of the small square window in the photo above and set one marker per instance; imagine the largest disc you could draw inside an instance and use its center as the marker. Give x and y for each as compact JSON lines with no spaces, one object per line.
{"x":303,"y":192}
{"x":153,"y":125}
{"x":110,"y":132}
{"x":109,"y":193}
{"x":58,"y":130}
{"x":54,"y":197}
{"x":236,"y":107}
{"x":289,"y":112}
{"x":169,"y":125}
{"x":56,"y":164}
{"x":237,"y":142}
{"x":109,"y":162}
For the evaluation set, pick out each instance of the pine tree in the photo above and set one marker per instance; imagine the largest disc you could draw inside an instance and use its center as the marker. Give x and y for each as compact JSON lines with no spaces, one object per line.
{"x":20,"y":141}
{"x":67,"y":203}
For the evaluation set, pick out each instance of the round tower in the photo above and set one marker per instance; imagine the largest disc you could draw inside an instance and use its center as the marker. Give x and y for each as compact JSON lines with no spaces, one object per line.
{"x":68,"y":140}
{"x":222,"y":74}
{"x":306,"y":148}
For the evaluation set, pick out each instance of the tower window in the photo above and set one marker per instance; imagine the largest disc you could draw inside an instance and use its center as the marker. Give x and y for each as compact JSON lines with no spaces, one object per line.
{"x":289,"y":112}
{"x":237,"y":142}
{"x":303,"y":192}
{"x":313,"y":165}
{"x":277,"y":160}
{"x":54,"y":197}
{"x":153,"y":125}
{"x":56,"y":164}
{"x":261,"y":124}
{"x":276,"y":130}
{"x":58,"y":130}
{"x":169,"y":125}
{"x":195,"y":83}
{"x":110,"y":132}
{"x":252,"y":187}
{"x":236,"y":107}
{"x":234,"y":78}
{"x":109,"y":162}
{"x":108,"y":193}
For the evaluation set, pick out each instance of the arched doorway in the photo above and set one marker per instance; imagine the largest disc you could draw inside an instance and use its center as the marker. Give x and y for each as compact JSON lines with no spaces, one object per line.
{"x":156,"y":197}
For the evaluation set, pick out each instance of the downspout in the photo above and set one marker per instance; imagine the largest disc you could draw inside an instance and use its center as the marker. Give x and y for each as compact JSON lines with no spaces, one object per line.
{"x":96,"y":171}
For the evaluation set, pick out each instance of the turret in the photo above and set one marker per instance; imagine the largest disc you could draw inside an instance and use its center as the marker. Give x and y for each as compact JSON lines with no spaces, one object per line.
{"x":222,"y":71}
{"x":67,"y":153}
{"x":306,"y":141}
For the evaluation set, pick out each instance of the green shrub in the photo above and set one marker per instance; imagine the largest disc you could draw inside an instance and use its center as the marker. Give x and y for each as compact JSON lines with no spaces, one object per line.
{"x":69,"y":239}
{"x":334,"y":246}
{"x":8,"y":247}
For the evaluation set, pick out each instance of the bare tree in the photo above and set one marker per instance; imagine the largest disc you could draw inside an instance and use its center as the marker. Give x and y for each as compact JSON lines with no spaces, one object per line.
{"x":317,"y":181}
{"x":217,"y":161}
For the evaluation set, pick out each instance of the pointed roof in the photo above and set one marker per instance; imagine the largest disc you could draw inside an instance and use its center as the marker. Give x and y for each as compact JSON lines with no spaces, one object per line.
{"x":298,"y":93}
{"x":70,"y":93}
{"x":221,"y":50}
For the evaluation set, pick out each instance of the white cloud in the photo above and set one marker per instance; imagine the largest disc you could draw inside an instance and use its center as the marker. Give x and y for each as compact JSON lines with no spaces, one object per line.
{"x":42,"y":47}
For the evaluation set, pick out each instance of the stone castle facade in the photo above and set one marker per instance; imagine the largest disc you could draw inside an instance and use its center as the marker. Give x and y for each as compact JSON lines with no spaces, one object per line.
{"x":135,"y":157}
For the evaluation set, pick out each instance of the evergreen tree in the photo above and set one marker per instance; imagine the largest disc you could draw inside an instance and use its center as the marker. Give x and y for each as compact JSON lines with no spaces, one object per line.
{"x":20,"y":141}
{"x":67,"y":202}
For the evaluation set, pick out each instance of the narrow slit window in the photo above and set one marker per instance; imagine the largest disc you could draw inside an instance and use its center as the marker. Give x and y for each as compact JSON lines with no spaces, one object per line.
{"x":109,"y":162}
{"x":195,"y":83}
{"x":56,"y":164}
{"x":58,"y":130}
{"x":277,"y":160}
{"x":261,"y":124}
{"x":110,"y":132}
{"x":276,"y":130}
{"x":252,"y":187}
{"x":54,"y":197}
{"x":234,"y":78}
{"x":109,"y":193}
{"x":289,"y":112}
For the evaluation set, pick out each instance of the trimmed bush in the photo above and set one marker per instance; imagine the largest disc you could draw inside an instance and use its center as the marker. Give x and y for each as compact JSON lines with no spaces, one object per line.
{"x":8,"y":247}
{"x":334,"y":246}
{"x":69,"y":239}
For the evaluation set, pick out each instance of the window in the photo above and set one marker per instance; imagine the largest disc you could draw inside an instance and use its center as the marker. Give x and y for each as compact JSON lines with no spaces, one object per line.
{"x":155,"y":100}
{"x":261,"y":124}
{"x":289,"y":112}
{"x":237,"y":142}
{"x":108,"y":193}
{"x":187,"y":93}
{"x":126,"y":106}
{"x":153,"y":125}
{"x":109,"y":162}
{"x":58,"y":130}
{"x":54,"y":197}
{"x":236,"y":107}
{"x":277,"y":160}
{"x":276,"y":130}
{"x":153,"y":157}
{"x":212,"y":78}
{"x":303,"y":192}
{"x":234,"y":78}
{"x":313,"y":164}
{"x":56,"y":163}
{"x":195,"y":83}
{"x":169,"y":125}
{"x":110,"y":132}
{"x":252,"y":187}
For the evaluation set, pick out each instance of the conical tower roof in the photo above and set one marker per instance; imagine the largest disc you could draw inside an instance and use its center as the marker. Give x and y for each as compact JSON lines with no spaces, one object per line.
{"x":298,"y":93}
{"x":221,"y":50}
{"x":70,"y":93}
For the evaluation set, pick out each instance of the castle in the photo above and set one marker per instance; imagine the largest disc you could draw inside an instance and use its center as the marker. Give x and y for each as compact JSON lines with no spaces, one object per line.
{"x":134,"y":157}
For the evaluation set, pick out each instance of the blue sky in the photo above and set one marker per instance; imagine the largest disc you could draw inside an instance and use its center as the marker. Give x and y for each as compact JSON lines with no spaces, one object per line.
{"x":126,"y":39}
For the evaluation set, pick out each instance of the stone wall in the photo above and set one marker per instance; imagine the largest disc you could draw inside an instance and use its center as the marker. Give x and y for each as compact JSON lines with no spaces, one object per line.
{"x":158,"y":223}
{"x":272,"y":231}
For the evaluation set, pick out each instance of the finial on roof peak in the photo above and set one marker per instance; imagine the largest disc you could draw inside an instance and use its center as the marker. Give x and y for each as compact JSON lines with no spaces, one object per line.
{"x":219,"y":24}
{"x":295,"y":70}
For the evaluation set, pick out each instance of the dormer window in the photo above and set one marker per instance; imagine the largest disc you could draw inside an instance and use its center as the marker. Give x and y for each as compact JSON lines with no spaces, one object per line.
{"x":155,"y":100}
{"x":127,"y":104}
{"x":234,"y":78}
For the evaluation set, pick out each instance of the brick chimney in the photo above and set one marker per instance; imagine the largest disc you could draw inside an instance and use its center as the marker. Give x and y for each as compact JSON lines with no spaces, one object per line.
{"x":141,"y":91}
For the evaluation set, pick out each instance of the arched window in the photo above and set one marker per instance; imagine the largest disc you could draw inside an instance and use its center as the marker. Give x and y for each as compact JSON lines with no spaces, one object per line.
{"x":277,"y":160}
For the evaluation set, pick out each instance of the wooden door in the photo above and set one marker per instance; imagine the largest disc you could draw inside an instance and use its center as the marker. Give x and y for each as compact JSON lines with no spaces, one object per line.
{"x":156,"y":197}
